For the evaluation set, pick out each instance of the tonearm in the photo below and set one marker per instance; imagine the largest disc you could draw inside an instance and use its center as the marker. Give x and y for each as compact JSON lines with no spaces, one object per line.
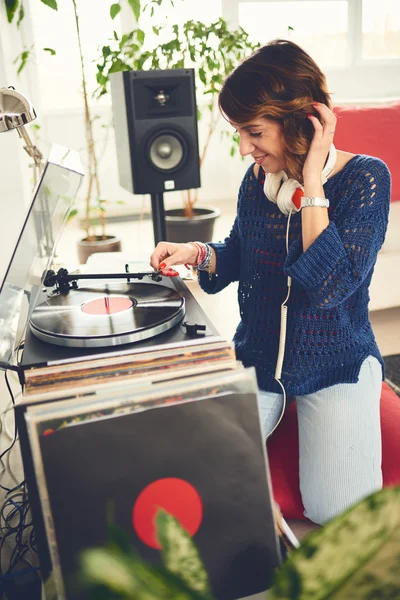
{"x":65,"y":281}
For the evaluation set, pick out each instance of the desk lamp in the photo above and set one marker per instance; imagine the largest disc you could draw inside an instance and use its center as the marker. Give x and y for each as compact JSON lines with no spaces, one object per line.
{"x":15,"y":112}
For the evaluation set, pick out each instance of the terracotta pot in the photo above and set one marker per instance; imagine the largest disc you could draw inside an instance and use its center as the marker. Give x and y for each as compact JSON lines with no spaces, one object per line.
{"x":98,"y":244}
{"x":181,"y":229}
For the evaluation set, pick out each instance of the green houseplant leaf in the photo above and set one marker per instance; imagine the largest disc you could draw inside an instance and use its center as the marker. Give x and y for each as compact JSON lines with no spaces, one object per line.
{"x":118,"y":571}
{"x":110,"y":568}
{"x":51,"y":3}
{"x":135,"y":5}
{"x":11,"y":8}
{"x":21,"y":15}
{"x":114,"y":10}
{"x":356,"y":556}
{"x":130,"y":577}
{"x":180,"y":554}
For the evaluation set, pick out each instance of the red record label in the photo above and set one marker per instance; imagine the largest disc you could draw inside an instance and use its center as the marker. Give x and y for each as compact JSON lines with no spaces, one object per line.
{"x":177,"y":497}
{"x":109,"y":305}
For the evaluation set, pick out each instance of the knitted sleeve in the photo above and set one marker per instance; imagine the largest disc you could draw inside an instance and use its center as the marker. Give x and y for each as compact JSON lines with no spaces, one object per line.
{"x":227,"y":258}
{"x":343,"y":255}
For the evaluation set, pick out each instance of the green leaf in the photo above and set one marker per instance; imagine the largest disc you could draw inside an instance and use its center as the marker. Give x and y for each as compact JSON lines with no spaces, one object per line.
{"x":72,"y":213}
{"x":101,"y":79}
{"x":117,"y":65}
{"x":135,"y":6}
{"x":114,"y":10}
{"x":140,"y":36}
{"x":51,"y":3}
{"x":11,"y":8}
{"x":290,"y":28}
{"x":35,"y":127}
{"x":21,"y":14}
{"x":180,"y":554}
{"x":356,"y":555}
{"x":108,"y":568}
{"x":202,"y":75}
{"x":131,"y":577}
{"x":23,"y":57}
{"x":50,"y":50}
{"x":116,"y":36}
{"x":106,"y":51}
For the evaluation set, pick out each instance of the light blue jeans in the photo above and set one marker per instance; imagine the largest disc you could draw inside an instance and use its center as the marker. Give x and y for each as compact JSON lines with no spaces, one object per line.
{"x":340,"y":446}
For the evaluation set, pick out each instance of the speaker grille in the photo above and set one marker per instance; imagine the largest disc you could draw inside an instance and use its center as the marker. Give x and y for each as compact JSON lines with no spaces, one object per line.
{"x":167,"y":151}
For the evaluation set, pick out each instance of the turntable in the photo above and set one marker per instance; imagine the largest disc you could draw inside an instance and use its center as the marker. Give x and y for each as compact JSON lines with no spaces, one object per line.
{"x":65,"y":317}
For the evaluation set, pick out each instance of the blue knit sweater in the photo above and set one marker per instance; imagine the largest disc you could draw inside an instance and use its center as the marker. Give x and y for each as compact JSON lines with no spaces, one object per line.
{"x":328,"y":330}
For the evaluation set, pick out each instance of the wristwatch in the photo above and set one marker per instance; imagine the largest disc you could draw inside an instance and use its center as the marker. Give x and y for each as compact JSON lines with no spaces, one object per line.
{"x":314,"y":201}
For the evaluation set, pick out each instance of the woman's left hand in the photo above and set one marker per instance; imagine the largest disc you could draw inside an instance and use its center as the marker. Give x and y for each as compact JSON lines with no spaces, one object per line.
{"x":323,"y":137}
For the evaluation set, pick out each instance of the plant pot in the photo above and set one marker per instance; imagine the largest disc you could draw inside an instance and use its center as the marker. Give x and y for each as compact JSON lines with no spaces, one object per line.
{"x":181,"y":229}
{"x":98,"y":244}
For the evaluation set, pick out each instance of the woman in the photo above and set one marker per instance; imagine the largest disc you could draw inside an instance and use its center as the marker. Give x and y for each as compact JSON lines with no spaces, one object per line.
{"x":278,"y":102}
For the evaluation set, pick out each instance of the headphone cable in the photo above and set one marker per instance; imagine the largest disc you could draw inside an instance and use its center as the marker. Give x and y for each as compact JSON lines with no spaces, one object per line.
{"x":282,"y":336}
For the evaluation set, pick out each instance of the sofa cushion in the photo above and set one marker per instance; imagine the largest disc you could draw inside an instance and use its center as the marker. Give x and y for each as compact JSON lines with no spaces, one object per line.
{"x":283,"y":454}
{"x":372,"y":130}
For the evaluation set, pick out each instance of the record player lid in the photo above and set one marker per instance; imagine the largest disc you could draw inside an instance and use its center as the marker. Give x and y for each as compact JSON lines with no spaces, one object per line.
{"x":42,"y":222}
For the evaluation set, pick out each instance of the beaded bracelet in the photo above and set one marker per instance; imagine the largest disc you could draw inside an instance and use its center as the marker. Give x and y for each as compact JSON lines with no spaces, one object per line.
{"x":204,"y":256}
{"x":201,"y":252}
{"x":206,"y":262}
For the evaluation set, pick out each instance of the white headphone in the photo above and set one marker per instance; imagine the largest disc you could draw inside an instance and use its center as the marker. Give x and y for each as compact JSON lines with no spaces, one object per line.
{"x":287,"y":193}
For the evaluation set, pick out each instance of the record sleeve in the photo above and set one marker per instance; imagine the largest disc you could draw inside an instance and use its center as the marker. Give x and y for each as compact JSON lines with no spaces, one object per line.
{"x":202,"y":434}
{"x":155,"y":365}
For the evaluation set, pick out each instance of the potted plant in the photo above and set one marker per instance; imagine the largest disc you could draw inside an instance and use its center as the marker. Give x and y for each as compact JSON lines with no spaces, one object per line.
{"x":213,"y":50}
{"x":355,"y":556}
{"x":94,"y":223}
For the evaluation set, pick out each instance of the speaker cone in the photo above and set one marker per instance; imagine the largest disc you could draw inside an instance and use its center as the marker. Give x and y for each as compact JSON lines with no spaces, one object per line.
{"x":167,"y":150}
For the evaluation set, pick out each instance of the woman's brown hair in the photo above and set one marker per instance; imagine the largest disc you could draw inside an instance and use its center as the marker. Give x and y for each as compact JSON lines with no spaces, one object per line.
{"x":279,"y":81}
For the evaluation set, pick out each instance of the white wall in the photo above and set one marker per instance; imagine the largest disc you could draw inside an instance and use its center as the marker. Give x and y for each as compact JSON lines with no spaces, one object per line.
{"x":14,"y":162}
{"x":221,"y":174}
{"x":15,"y":195}
{"x":58,"y":86}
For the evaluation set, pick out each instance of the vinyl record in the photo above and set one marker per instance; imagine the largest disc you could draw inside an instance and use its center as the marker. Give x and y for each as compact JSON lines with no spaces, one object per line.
{"x":107,"y":315}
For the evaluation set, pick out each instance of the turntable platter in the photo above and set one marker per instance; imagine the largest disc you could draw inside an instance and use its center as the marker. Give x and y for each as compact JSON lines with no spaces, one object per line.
{"x":107,"y":315}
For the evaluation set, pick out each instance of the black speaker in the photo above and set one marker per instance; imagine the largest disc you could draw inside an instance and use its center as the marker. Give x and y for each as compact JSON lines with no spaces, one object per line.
{"x":155,"y":119}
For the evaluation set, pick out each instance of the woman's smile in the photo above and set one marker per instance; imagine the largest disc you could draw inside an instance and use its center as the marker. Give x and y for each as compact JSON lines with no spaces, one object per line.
{"x":260,"y":159}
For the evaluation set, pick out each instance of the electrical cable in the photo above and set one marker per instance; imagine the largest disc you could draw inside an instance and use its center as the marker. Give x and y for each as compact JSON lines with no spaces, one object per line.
{"x":23,"y":572}
{"x":15,"y":437}
{"x":6,"y":468}
{"x":16,"y":520}
{"x":282,"y":336}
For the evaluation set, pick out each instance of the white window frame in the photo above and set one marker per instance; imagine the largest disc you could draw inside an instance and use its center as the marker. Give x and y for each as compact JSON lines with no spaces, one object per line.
{"x":360,"y":79}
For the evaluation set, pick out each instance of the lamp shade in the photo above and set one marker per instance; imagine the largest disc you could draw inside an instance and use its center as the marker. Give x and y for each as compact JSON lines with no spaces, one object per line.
{"x":15,"y":110}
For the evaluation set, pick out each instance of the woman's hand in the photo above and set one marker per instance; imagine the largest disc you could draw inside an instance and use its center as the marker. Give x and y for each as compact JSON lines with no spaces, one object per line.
{"x":167,"y":254}
{"x":321,"y":143}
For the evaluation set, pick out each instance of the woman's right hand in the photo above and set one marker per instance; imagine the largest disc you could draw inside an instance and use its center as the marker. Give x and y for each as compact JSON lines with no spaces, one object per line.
{"x":167,"y":254}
